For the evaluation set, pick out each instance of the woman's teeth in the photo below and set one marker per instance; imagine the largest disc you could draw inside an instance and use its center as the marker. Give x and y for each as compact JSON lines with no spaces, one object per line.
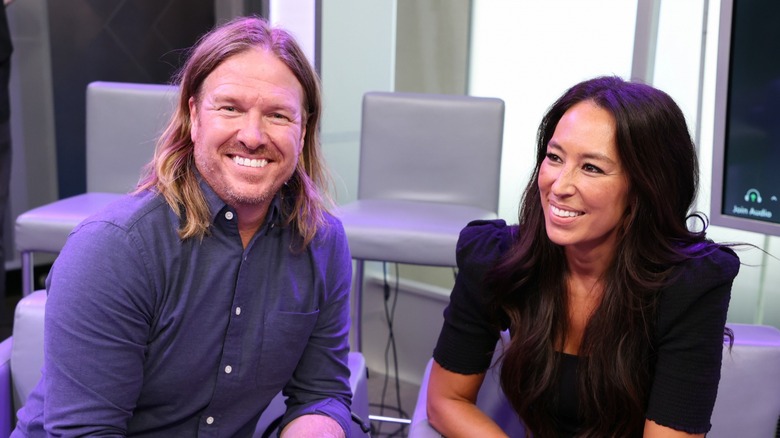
{"x":563,"y":213}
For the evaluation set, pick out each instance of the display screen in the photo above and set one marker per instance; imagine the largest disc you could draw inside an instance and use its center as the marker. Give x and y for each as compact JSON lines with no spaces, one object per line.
{"x":750,"y":186}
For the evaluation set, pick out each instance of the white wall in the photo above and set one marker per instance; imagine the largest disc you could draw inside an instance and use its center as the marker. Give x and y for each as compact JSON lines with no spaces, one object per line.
{"x":528,"y":53}
{"x":358,"y":55}
{"x":682,"y":24}
{"x":298,"y":17}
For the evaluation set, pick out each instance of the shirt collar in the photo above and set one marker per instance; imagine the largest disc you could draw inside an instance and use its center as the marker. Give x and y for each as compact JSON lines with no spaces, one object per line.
{"x":218,"y":206}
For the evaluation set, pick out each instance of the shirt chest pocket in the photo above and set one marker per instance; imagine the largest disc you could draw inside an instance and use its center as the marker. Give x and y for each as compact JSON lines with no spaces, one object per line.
{"x":285,"y":336}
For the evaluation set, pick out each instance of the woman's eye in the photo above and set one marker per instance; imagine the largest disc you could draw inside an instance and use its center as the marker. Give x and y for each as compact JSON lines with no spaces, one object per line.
{"x":552,"y":157}
{"x":592,"y":169}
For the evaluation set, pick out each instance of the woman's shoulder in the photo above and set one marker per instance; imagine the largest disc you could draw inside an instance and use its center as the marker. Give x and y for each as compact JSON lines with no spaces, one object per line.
{"x":482,"y":242}
{"x":711,"y":263}
{"x":711,"y":267}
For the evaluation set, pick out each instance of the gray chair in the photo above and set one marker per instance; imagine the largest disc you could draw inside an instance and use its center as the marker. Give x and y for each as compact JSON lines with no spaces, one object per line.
{"x":491,"y":400}
{"x":429,"y":164}
{"x":21,"y":360}
{"x":123,"y":122}
{"x":748,"y":403}
{"x":747,"y":406}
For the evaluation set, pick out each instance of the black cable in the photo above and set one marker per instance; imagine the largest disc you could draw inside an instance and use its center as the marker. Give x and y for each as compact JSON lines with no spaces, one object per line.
{"x":390,"y":339}
{"x":386,"y":297}
{"x":364,"y":426}
{"x":777,"y":431}
{"x":401,"y":412}
{"x":390,"y":315}
{"x":272,"y":426}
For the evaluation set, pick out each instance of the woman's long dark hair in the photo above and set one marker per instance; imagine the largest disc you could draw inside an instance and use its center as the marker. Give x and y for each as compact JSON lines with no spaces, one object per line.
{"x":529,"y":285}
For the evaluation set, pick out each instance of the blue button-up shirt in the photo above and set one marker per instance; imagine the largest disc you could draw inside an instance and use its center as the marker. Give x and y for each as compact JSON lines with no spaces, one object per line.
{"x":149,"y":335}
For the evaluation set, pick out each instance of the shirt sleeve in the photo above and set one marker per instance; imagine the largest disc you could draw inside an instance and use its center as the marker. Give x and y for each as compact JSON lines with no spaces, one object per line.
{"x":320,"y":382}
{"x":469,"y":334}
{"x":691,"y":320}
{"x":95,"y":333}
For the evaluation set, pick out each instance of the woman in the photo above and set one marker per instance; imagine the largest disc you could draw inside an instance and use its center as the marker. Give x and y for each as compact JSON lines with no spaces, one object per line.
{"x":615,"y":309}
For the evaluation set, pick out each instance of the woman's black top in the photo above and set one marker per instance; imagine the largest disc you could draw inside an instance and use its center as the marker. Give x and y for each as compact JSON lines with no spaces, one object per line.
{"x":688,"y":340}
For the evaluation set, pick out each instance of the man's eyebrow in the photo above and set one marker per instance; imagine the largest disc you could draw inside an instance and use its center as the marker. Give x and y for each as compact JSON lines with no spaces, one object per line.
{"x":224,"y":96}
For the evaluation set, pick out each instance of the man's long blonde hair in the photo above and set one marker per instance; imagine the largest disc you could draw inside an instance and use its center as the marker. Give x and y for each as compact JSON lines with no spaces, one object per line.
{"x":172,"y":171}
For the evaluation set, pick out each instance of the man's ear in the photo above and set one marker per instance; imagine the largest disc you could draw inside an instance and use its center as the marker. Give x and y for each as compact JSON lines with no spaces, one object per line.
{"x":193,"y":118}
{"x":303,"y":136}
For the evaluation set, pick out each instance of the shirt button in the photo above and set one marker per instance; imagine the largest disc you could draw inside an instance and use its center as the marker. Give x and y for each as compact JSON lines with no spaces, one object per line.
{"x":228,"y":369}
{"x":229,"y":215}
{"x":210,"y":420}
{"x":238,"y":311}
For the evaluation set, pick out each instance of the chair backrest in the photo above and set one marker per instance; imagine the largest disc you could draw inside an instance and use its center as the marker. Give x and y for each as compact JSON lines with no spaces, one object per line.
{"x":748,"y":402}
{"x":431,"y":148}
{"x":124,"y":121}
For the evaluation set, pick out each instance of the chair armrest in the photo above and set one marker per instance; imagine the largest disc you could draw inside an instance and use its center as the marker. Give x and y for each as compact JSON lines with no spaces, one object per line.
{"x":420,"y":428}
{"x":358,"y":381}
{"x":358,"y":384}
{"x":491,"y":400}
{"x":6,"y":403}
{"x":27,"y":352}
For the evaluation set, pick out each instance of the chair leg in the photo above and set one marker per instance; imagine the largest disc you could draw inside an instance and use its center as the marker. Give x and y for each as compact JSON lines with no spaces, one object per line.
{"x":28,"y":276}
{"x":357,"y":300}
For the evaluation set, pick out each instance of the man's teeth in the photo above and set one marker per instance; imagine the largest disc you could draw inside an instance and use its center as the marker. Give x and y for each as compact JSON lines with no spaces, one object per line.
{"x":563,"y":213}
{"x":249,"y":162}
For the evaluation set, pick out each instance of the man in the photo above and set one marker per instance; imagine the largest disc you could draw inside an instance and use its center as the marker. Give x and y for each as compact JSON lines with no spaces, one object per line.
{"x":184,"y":308}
